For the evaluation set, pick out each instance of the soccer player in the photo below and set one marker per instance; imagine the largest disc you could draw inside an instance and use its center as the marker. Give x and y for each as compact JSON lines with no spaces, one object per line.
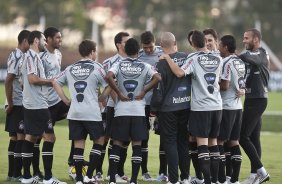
{"x":83,"y":78}
{"x":211,"y":40}
{"x":14,"y":110}
{"x":120,"y":40}
{"x":37,"y":120}
{"x":206,"y":104}
{"x":131,"y":75}
{"x":149,"y":54}
{"x":257,"y":77}
{"x":232,"y":81}
{"x":173,"y":112}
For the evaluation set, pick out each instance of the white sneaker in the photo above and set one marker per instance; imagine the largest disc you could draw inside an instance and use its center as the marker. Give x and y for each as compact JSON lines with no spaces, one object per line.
{"x":185,"y":181}
{"x":172,"y":183}
{"x":32,"y":180}
{"x":237,"y":182}
{"x":162,"y":178}
{"x":252,"y":179}
{"x":119,"y":179}
{"x":195,"y":180}
{"x":262,"y":179}
{"x":79,"y":182}
{"x":147,"y":177}
{"x":53,"y":180}
{"x":87,"y":180}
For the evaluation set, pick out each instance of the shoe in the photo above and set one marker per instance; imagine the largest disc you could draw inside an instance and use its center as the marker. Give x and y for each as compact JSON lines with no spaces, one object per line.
{"x":79,"y":182}
{"x":263,"y":179}
{"x":228,"y":178}
{"x":252,"y":179}
{"x":17,"y":179}
{"x":162,"y":178}
{"x":124,"y":177}
{"x":99,"y":177}
{"x":32,"y":180}
{"x":72,"y":173}
{"x":222,"y":183}
{"x":87,"y":180}
{"x":119,"y":179}
{"x":229,"y":182}
{"x":147,"y":177}
{"x":185,"y":181}
{"x":39,"y":175}
{"x":172,"y":183}
{"x":112,"y":183}
{"x":195,"y":180}
{"x":53,"y":180}
{"x":107,"y":178}
{"x":9,"y":178}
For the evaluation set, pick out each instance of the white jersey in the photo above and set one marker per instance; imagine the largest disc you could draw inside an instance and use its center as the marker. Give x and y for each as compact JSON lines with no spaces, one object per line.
{"x":84,"y":79}
{"x":131,"y":75}
{"x":205,"y":69}
{"x":34,"y":96}
{"x":14,"y":63}
{"x":234,"y":72}
{"x":52,"y":67}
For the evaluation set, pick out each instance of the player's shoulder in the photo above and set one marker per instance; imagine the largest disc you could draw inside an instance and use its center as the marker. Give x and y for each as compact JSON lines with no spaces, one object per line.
{"x":58,"y":52}
{"x":43,"y":54}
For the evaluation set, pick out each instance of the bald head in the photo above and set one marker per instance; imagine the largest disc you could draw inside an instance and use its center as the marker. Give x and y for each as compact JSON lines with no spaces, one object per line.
{"x":167,"y":40}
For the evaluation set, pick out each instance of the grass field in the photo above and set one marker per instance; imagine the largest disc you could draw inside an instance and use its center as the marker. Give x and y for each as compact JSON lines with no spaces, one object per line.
{"x":271,"y":146}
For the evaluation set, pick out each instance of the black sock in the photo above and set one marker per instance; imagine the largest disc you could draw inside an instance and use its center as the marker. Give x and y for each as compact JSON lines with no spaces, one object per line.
{"x":215,"y":159}
{"x":110,"y":147}
{"x":27,"y":154}
{"x":11,"y":149}
{"x":113,"y":162}
{"x":94,"y":159}
{"x":47,"y":157}
{"x":36,"y":157}
{"x":228,"y":165}
{"x":204,"y":162}
{"x":70,"y":159}
{"x":78,"y":162}
{"x":195,"y":160}
{"x":99,"y":168}
{"x":144,"y":151}
{"x":123,"y":155}
{"x":136,"y":160}
{"x":221,"y":170}
{"x":163,"y":161}
{"x":236,"y":160}
{"x":18,"y":164}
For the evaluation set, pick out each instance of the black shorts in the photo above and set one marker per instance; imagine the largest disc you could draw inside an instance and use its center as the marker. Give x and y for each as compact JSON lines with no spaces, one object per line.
{"x":37,"y":121}
{"x":127,"y":128}
{"x":230,"y":126}
{"x":14,"y":121}
{"x":147,"y":115}
{"x":58,"y":111}
{"x":78,"y":130}
{"x":205,"y":124}
{"x":110,"y":113}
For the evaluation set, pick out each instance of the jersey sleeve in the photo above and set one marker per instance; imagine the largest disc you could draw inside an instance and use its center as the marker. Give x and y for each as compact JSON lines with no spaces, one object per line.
{"x":62,"y":77}
{"x":13,"y":64}
{"x":151,"y":71}
{"x":114,"y":68}
{"x":188,"y":66}
{"x":226,"y":71}
{"x":31,"y":65}
{"x":101,"y":77}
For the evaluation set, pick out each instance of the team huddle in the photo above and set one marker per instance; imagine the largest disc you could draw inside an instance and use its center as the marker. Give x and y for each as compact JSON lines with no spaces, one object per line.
{"x":191,"y":100}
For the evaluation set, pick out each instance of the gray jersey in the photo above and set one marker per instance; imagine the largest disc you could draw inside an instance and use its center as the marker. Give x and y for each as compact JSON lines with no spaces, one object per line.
{"x":151,"y":59}
{"x":52,"y":68}
{"x":233,"y":71}
{"x":14,"y":63}
{"x":83,"y":79}
{"x":34,"y":96}
{"x":206,"y":70}
{"x":107,"y":64}
{"x":131,"y":75}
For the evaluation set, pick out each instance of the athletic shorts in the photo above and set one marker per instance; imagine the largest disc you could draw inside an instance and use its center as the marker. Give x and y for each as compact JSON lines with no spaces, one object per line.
{"x":109,"y":119}
{"x":205,"y":124}
{"x":58,"y":111}
{"x":14,"y":121}
{"x":37,"y":121}
{"x":147,"y":115}
{"x":230,"y":126}
{"x":127,"y":128}
{"x":78,"y":130}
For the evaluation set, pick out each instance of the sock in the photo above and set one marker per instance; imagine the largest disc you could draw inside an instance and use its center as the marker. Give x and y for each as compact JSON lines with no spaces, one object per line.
{"x":70,"y":159}
{"x":221,"y":170}
{"x":113,"y":162}
{"x":136,"y":160}
{"x":36,"y":157}
{"x":228,"y":164}
{"x":123,"y":155}
{"x":78,"y":162}
{"x":236,"y":160}
{"x":27,"y":154}
{"x":18,"y":164}
{"x":215,"y":159}
{"x":99,"y":168}
{"x":11,"y":149}
{"x":163,"y":161}
{"x":110,"y":147}
{"x":195,"y":160}
{"x":204,"y":162}
{"x":47,"y":157}
{"x":144,"y":151}
{"x":94,"y":159}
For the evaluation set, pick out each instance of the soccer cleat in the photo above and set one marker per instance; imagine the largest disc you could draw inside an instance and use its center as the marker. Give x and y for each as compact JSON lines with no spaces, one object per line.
{"x":147,"y":177}
{"x":185,"y":181}
{"x":17,"y":179}
{"x":39,"y":175}
{"x":236,"y":182}
{"x":162,"y":178}
{"x":263,"y":179}
{"x":87,"y":180}
{"x":79,"y":182}
{"x":53,"y":180}
{"x":124,"y":177}
{"x":252,"y":179}
{"x":172,"y":183}
{"x":9,"y":178}
{"x":119,"y":179}
{"x":72,"y":172}
{"x":32,"y":180}
{"x":195,"y":180}
{"x":112,"y":183}
{"x":99,"y":176}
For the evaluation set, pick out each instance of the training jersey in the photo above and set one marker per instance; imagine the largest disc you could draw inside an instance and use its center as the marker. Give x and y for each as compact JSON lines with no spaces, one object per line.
{"x":233,"y":70}
{"x":131,"y":75}
{"x":83,"y":79}
{"x":107,"y":64}
{"x":52,"y":67}
{"x":205,"y":69}
{"x":257,"y":73}
{"x":176,"y":91}
{"x":14,"y":65}
{"x":151,"y":59}
{"x":34,"y":96}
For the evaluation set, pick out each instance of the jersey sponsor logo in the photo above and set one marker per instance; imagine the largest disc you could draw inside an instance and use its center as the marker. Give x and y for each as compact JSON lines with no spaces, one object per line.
{"x":210,"y":79}
{"x":80,"y":86}
{"x":180,"y":99}
{"x":132,"y":70}
{"x":179,"y":61}
{"x":182,"y":88}
{"x":81,"y":71}
{"x":130,"y":86}
{"x":209,"y":62}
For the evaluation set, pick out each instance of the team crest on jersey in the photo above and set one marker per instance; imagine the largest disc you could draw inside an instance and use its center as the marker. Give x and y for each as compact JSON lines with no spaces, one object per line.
{"x":81,"y":71}
{"x":132,"y":70}
{"x":209,"y":62}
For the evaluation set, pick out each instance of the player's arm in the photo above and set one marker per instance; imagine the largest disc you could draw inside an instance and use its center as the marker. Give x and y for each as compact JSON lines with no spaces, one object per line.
{"x":35,"y":80}
{"x":224,"y":85}
{"x":58,"y":88}
{"x":173,"y":66}
{"x":155,"y":79}
{"x":9,"y":91}
{"x":104,"y":95}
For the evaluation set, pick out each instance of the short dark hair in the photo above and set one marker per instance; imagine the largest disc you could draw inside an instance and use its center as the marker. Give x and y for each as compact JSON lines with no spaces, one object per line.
{"x":198,"y":39}
{"x":147,"y":37}
{"x":212,"y":32}
{"x":131,"y":47}
{"x":50,"y":32}
{"x":119,"y":36}
{"x":230,"y":42}
{"x":86,"y":47}
{"x":33,"y":35}
{"x":24,"y":34}
{"x":256,"y":33}
{"x":189,"y":36}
